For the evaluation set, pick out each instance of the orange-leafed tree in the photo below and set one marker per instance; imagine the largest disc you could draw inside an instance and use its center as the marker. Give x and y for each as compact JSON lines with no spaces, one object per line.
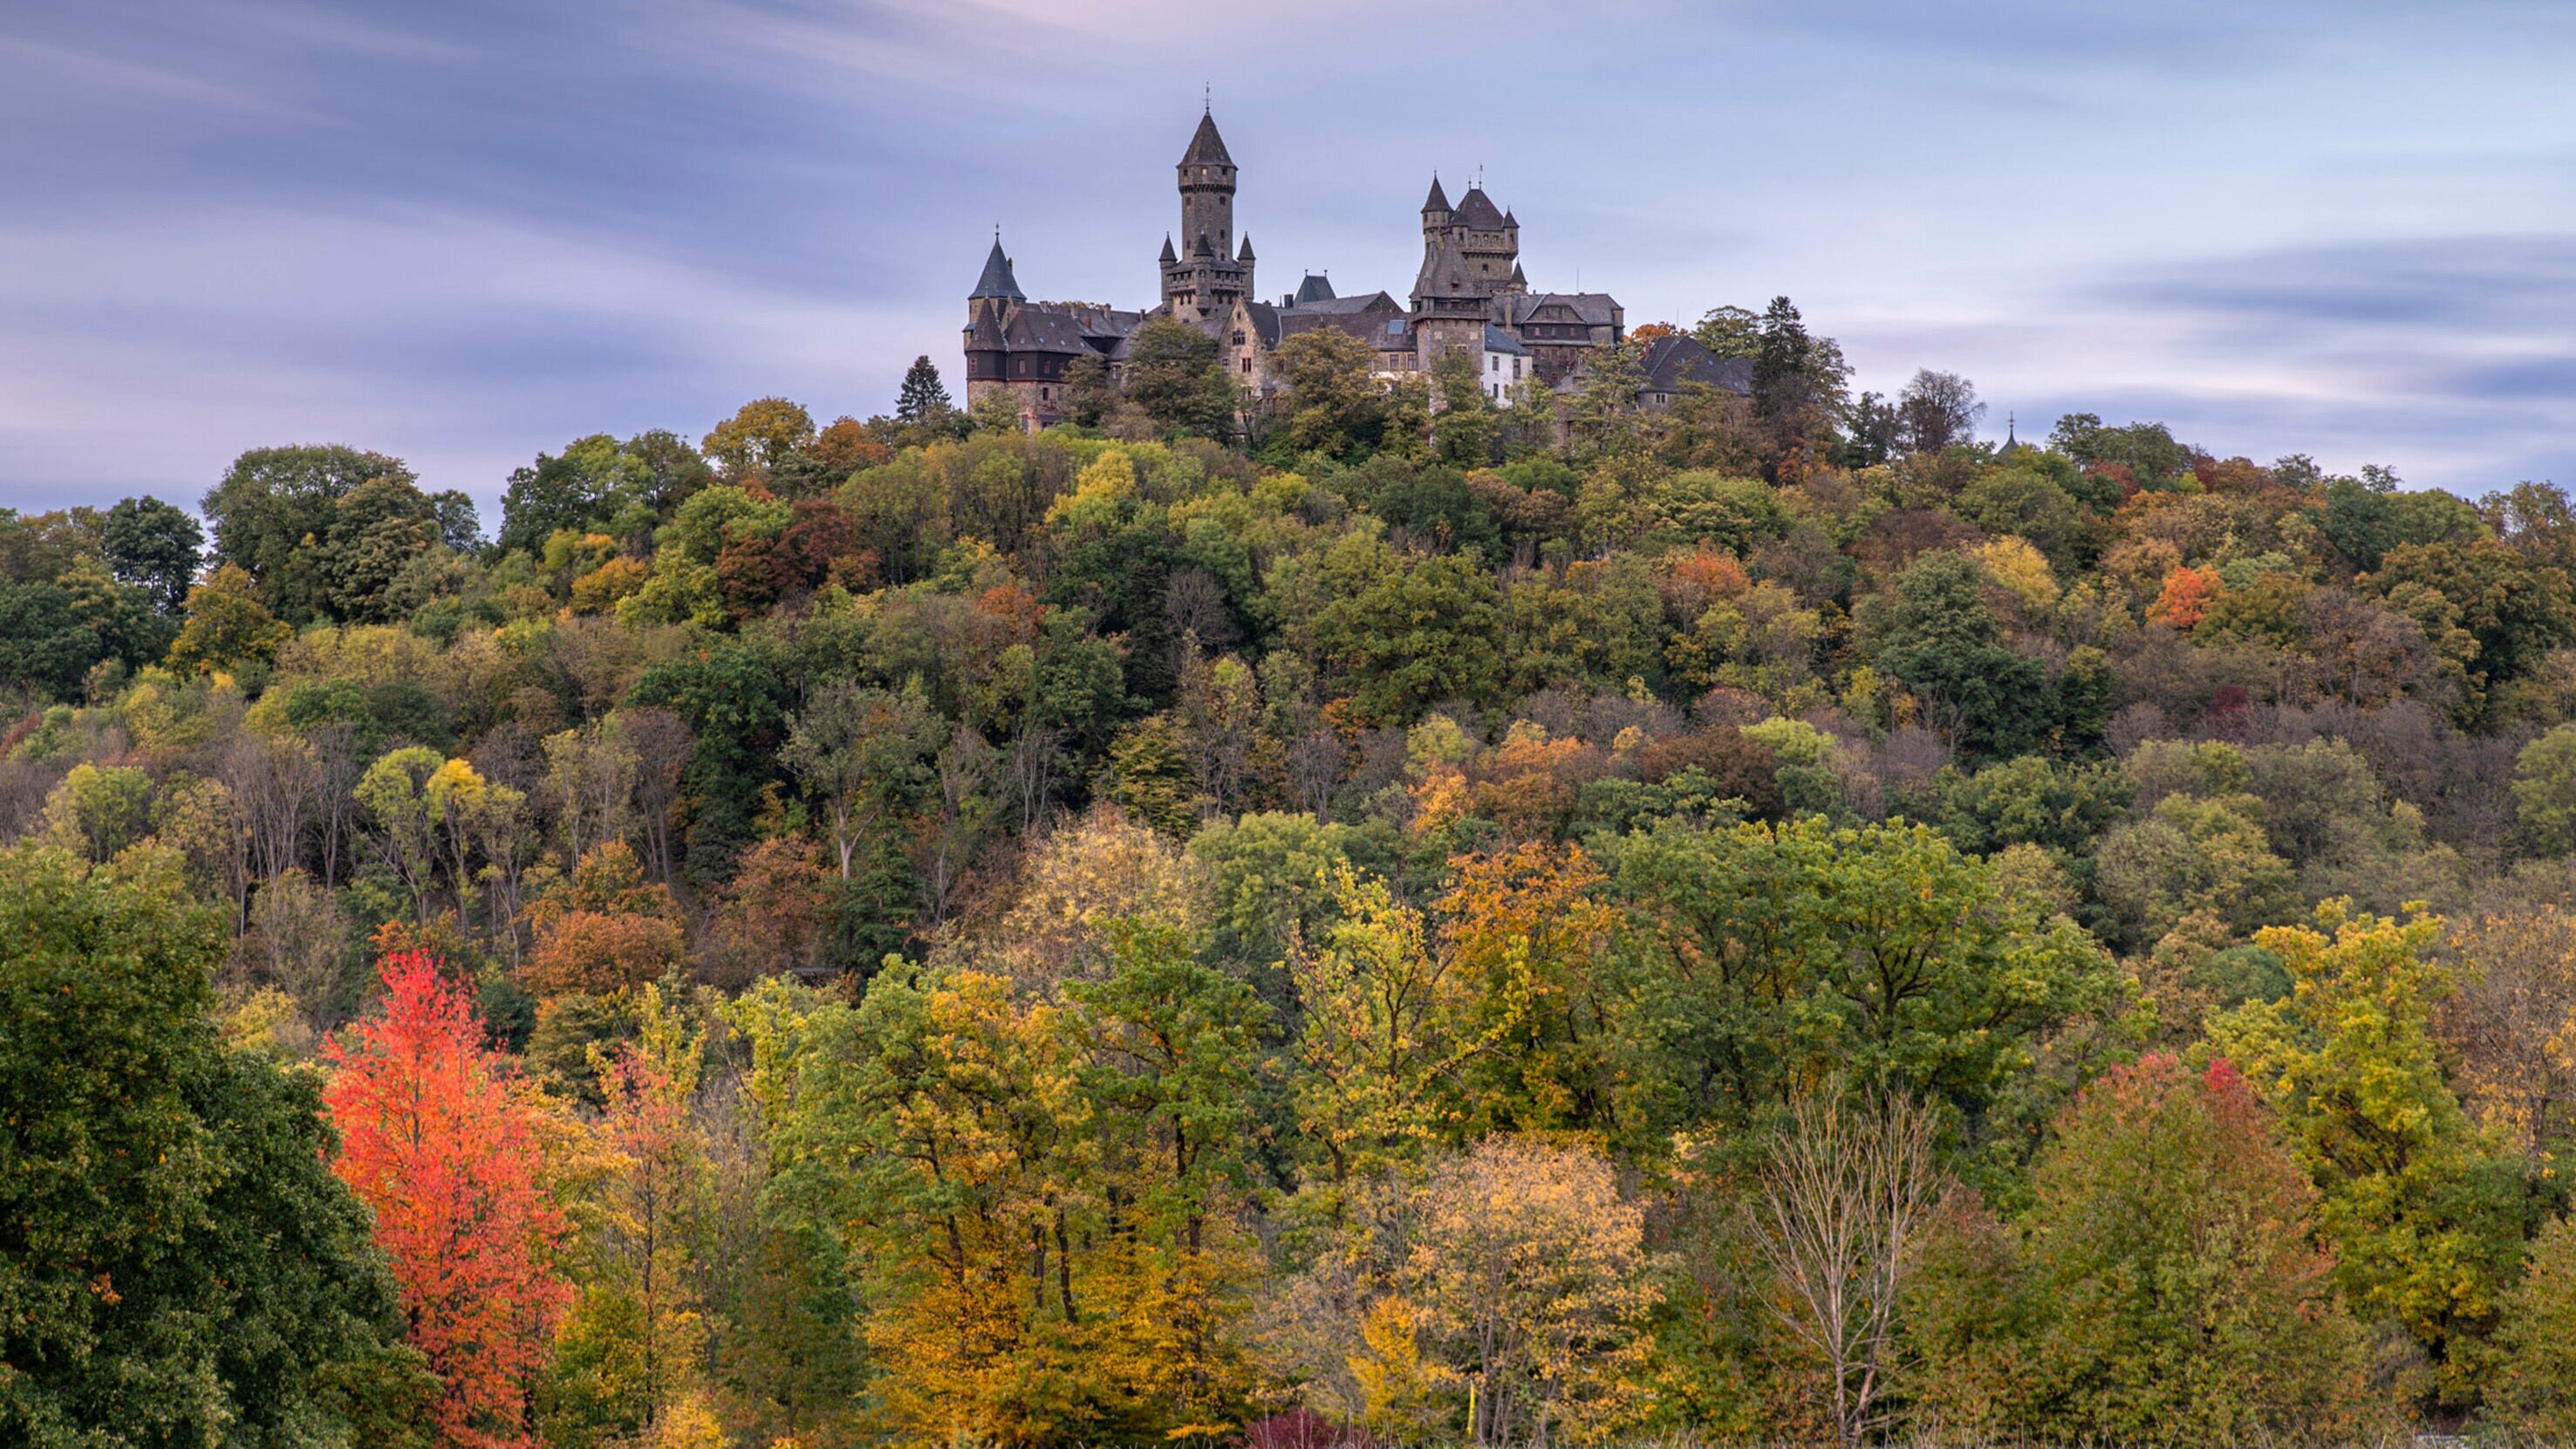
{"x":437,"y":1138}
{"x":605,"y":930}
{"x":2187,"y":595}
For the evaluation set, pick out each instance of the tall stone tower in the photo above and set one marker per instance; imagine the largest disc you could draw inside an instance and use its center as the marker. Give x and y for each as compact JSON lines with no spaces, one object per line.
{"x":1209,"y":272}
{"x":1470,"y":255}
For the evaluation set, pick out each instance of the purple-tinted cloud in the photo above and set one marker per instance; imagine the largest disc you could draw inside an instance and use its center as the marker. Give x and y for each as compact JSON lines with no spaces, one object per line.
{"x":467,"y":231}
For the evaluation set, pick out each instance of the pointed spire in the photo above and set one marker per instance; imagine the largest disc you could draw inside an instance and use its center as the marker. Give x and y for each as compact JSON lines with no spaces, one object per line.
{"x":1207,"y":148}
{"x":1169,"y":256}
{"x":997,"y":280}
{"x":1244,"y":253}
{"x":1438,"y":200}
{"x":1201,"y":247}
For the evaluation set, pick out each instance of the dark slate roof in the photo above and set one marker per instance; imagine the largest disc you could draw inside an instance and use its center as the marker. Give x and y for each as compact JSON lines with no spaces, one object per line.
{"x":1382,"y":331}
{"x":1314,"y":289}
{"x":1207,"y":148}
{"x":1498,"y":340}
{"x":1671,"y":363}
{"x":997,"y":280}
{"x":1476,"y":212}
{"x":1066,"y":327}
{"x":1244,"y":252}
{"x":1169,"y":255}
{"x":1438,"y":200}
{"x":984,"y":333}
{"x":1330,"y":305}
{"x":1509,"y":219}
{"x":1591,"y":308}
{"x":1519,"y":278}
{"x":1044,"y":329}
{"x":1265,"y":322}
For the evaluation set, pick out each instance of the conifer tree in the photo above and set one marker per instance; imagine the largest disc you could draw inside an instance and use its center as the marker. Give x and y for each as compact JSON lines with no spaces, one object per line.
{"x":924,"y":396}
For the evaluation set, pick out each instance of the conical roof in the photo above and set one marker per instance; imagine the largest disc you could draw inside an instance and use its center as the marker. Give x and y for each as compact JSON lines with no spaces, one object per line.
{"x":1207,"y":148}
{"x":1438,"y":200}
{"x":997,"y":280}
{"x":1169,"y":256}
{"x":1244,"y":253}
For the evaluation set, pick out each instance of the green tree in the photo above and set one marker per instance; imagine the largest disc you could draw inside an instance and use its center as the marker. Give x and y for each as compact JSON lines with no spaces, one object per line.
{"x":1403,"y":633}
{"x":1760,"y":955}
{"x":595,"y":485}
{"x":1798,"y":378}
{"x":1176,"y":374}
{"x":2170,"y":1286}
{"x":864,"y":755}
{"x":177,"y":1263}
{"x":2534,"y":1387}
{"x":1462,"y":430}
{"x":1334,"y":406}
{"x":274,"y":509}
{"x":377,"y":529}
{"x":227,"y":626}
{"x":1937,"y":634}
{"x":762,"y":434}
{"x":45,"y":645}
{"x":1730,"y":332}
{"x":2424,"y":1226}
{"x":154,"y":546}
{"x":923,"y":397}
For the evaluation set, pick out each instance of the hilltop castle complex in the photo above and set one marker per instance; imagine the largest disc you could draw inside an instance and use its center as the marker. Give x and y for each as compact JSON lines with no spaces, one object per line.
{"x":1470,"y":296}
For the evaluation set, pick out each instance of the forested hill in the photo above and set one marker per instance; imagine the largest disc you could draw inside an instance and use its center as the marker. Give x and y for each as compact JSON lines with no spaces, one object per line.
{"x":1376,"y":918}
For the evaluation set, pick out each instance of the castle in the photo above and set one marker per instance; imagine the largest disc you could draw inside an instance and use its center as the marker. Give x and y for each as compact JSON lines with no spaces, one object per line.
{"x":1469,"y":296}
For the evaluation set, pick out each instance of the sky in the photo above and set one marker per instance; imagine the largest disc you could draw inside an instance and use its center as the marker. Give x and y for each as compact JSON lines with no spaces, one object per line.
{"x":467,"y":231}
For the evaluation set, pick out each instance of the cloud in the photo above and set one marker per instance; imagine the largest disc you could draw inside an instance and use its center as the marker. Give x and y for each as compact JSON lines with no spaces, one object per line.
{"x":467,"y":231}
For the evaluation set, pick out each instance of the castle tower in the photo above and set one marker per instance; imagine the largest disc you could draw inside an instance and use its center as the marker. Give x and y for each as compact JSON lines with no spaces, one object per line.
{"x":1470,"y":255}
{"x":1207,"y":274}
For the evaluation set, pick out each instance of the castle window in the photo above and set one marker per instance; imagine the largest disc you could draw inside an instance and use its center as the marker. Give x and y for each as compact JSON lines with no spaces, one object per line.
{"x":1247,"y":367}
{"x":1238,"y":339}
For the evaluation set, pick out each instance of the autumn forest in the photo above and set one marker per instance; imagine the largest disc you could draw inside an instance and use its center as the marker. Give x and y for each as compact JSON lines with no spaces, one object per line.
{"x":1370,"y":917}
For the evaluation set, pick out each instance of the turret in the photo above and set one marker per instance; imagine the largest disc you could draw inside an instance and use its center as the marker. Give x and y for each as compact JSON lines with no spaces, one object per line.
{"x":997,"y":280}
{"x":1207,"y":187}
{"x":1435,"y":207}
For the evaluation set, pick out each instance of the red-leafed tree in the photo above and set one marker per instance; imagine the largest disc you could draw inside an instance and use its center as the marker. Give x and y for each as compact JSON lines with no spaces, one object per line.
{"x":437,"y":1139}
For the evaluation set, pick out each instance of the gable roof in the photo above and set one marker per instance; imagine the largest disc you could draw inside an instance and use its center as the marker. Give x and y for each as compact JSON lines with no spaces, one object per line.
{"x":1595,"y":309}
{"x":1207,"y":148}
{"x":1330,"y":305}
{"x":1390,"y":332}
{"x":1671,"y":363}
{"x":997,"y":280}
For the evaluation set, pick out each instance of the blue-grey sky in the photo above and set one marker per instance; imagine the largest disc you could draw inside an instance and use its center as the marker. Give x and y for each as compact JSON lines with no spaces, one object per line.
{"x":468,"y":230}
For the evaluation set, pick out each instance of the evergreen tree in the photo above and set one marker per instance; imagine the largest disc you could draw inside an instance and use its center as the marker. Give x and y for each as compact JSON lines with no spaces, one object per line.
{"x":924,"y":397}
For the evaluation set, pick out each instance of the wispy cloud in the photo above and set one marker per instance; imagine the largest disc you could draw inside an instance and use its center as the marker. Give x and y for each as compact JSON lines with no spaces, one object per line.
{"x":467,"y":231}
